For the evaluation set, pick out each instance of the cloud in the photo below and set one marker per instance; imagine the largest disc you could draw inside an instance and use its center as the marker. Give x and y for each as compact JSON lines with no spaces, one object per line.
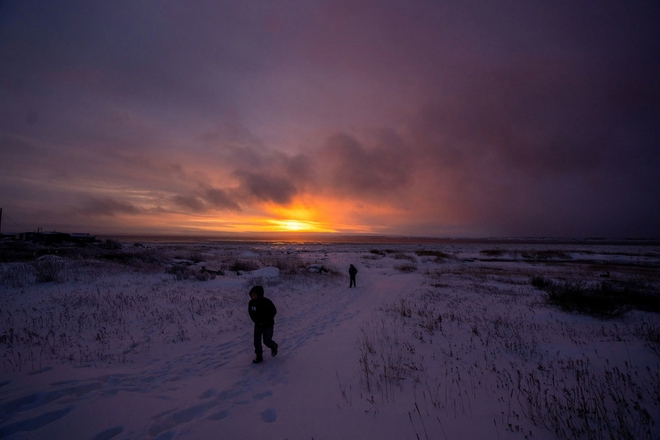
{"x":554,"y":146}
{"x":193,"y":203}
{"x":546,"y":116}
{"x":208,"y":199}
{"x":355,"y":168}
{"x":266,"y":188}
{"x":107,"y":206}
{"x":221,"y":199}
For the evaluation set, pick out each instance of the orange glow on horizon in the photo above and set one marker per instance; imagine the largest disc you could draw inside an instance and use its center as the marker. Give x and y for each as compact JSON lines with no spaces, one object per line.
{"x":299,"y":217}
{"x":318,"y":215}
{"x":298,"y":226}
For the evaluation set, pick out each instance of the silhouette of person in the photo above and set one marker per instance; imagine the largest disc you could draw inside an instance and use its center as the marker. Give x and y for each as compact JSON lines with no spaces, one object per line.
{"x":262,"y":312}
{"x":352,"y":271}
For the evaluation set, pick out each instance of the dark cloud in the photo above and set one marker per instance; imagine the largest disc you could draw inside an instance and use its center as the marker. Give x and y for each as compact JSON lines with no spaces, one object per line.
{"x":266,"y":188}
{"x":208,"y":199}
{"x":192,"y":203}
{"x":107,"y":206}
{"x":299,"y":167}
{"x":373,"y":170}
{"x":545,"y":115}
{"x":221,"y":199}
{"x":548,"y":146}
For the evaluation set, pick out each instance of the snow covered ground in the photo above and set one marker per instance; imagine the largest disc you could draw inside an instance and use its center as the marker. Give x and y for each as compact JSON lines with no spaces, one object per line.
{"x":437,"y":341}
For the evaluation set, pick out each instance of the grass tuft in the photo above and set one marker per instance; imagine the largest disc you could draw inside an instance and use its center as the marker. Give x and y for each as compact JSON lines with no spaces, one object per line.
{"x":244,"y":265}
{"x":540,"y":282}
{"x":406,"y":268}
{"x":49,"y":268}
{"x":439,"y":256}
{"x":607,"y":299}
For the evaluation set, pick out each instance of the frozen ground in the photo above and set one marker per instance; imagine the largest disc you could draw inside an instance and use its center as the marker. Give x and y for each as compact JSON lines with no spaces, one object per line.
{"x":436,"y":342}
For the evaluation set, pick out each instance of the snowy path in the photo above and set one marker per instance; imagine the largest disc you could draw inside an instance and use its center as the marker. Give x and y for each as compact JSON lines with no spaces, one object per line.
{"x":195,"y":390}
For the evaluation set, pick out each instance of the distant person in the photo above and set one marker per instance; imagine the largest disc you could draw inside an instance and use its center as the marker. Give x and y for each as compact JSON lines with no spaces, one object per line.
{"x":352,"y":271}
{"x":262,"y":312}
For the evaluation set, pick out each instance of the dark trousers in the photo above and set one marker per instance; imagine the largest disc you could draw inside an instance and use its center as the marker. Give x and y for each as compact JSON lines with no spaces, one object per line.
{"x":352,"y":283}
{"x":267,"y":333}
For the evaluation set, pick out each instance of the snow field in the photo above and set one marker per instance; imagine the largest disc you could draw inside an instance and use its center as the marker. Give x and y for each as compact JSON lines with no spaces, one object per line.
{"x":435,"y":342}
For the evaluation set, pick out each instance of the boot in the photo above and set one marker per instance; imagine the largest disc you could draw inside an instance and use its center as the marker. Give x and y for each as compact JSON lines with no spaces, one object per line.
{"x":258,"y":359}
{"x":273,"y":351}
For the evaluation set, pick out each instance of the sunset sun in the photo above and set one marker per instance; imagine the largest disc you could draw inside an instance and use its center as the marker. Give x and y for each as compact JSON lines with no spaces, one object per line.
{"x":294,"y":225}
{"x":297,"y":226}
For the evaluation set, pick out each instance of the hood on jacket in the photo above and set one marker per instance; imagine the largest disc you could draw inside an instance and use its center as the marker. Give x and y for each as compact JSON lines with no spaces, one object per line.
{"x":259,"y":290}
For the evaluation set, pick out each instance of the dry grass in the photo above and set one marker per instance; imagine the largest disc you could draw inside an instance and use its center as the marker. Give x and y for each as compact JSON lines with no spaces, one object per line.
{"x":606,"y":299}
{"x":496,"y":351}
{"x":407,"y":268}
{"x":140,"y":296}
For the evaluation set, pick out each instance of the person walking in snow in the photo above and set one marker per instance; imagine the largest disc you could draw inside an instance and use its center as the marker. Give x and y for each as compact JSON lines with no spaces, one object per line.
{"x":352,"y":271}
{"x":262,"y":312}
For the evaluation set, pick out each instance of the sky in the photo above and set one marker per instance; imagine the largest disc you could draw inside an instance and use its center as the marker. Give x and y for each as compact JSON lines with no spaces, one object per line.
{"x":421,"y":118}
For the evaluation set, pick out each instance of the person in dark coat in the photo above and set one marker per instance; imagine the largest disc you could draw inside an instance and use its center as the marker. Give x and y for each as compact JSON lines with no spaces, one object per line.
{"x":352,"y":271}
{"x":262,"y":312}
